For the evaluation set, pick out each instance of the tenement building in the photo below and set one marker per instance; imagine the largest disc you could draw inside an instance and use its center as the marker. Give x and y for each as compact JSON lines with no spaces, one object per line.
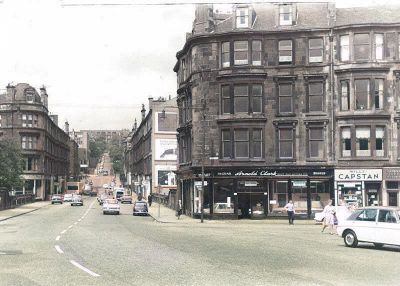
{"x":24,"y":117}
{"x":151,"y":151}
{"x":293,"y":101}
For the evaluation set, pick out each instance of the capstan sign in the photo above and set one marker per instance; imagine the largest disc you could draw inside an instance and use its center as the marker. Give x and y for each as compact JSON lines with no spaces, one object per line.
{"x":358,"y":175}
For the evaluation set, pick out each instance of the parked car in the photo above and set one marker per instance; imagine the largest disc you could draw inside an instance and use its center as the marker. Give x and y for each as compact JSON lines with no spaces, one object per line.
{"x":342,"y":213}
{"x":140,"y":208}
{"x":102,"y":198}
{"x":68,"y":198}
{"x":377,"y":225}
{"x":77,"y":201}
{"x":126,"y":199}
{"x":111,"y":206}
{"x":56,"y":199}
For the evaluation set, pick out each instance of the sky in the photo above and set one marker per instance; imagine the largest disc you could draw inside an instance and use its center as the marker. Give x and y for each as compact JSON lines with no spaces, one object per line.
{"x":99,"y":63}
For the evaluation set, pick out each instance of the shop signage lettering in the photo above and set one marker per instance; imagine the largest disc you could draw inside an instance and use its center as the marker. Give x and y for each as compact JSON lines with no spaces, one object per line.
{"x":358,"y":175}
{"x":264,"y":173}
{"x":391,"y":174}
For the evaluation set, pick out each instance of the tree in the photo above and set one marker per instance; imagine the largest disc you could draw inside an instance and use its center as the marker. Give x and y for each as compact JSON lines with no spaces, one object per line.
{"x":96,"y":148}
{"x":116,"y":154}
{"x":10,"y":164}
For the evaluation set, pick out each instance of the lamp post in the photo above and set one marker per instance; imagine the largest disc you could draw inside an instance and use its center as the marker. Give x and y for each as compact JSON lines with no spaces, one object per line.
{"x":203,"y":147}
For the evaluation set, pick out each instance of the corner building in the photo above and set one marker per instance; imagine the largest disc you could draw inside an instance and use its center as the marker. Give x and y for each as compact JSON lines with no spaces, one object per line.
{"x":282,"y":101}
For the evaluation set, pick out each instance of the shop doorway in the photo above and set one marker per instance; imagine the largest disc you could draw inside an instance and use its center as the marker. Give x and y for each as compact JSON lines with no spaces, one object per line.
{"x":392,"y":196}
{"x":372,"y":190}
{"x":252,"y":205}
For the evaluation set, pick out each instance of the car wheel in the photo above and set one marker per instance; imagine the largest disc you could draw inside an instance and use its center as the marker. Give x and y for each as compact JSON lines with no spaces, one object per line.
{"x":350,"y":239}
{"x":52,"y":203}
{"x":104,"y":212}
{"x":117,"y":213}
{"x":378,"y":245}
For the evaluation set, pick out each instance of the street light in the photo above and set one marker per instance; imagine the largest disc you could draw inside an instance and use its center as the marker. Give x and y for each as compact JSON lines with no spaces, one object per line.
{"x":203,"y":147}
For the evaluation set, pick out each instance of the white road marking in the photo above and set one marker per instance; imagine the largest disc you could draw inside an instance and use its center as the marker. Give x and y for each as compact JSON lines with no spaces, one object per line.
{"x":58,"y":237}
{"x":79,"y":219}
{"x":70,"y":226}
{"x":64,"y":231}
{"x":84,"y":268}
{"x":76,"y":222}
{"x":59,"y":250}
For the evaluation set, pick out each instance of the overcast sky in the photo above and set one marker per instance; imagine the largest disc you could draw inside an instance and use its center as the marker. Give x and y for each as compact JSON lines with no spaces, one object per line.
{"x":98,"y":62}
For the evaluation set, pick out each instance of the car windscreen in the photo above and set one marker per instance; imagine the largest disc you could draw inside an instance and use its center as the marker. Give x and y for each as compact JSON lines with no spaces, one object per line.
{"x":111,"y":201}
{"x":140,"y":206}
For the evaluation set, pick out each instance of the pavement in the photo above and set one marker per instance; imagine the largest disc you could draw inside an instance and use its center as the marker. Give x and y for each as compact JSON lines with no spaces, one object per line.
{"x":22,"y":209}
{"x":163,"y":214}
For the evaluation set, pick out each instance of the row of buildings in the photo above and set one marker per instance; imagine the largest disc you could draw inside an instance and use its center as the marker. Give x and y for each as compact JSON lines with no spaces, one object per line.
{"x":281,"y":101}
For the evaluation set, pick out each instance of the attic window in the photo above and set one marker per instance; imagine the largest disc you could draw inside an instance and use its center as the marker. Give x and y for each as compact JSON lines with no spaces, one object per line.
{"x":242,"y":17}
{"x":29,"y":96}
{"x":285,"y":15}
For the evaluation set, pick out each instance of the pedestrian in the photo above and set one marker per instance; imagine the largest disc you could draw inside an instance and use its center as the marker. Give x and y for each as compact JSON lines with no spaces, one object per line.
{"x":150,"y":199}
{"x":179,"y":210}
{"x":328,"y":210}
{"x":333,"y":223}
{"x":290,"y":211}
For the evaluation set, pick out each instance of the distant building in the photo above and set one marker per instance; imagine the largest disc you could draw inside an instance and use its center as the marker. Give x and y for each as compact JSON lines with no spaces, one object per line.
{"x":24,"y":116}
{"x":74,"y":166}
{"x":107,"y":135}
{"x":151,"y":151}
{"x":82,"y":138}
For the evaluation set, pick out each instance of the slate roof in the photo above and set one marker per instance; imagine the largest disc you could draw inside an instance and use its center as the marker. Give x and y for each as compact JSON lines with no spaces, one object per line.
{"x":368,"y":15}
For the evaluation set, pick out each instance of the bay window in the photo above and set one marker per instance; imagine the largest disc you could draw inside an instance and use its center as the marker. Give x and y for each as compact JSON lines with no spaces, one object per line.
{"x":363,"y":136}
{"x":241,"y":143}
{"x":225,"y":55}
{"x":344,"y":48}
{"x":379,"y":141}
{"x":361,"y":47}
{"x":378,"y":94}
{"x":241,"y":52}
{"x":346,"y":142}
{"x":379,"y":46}
{"x":344,"y":95}
{"x":361,"y":87}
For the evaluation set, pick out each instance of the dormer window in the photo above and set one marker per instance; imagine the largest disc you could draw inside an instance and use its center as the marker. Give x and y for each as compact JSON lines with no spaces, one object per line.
{"x":29,"y":95}
{"x":285,"y":15}
{"x":242,"y":17}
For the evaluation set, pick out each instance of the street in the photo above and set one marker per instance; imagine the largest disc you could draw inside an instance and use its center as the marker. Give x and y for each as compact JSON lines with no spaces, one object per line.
{"x":60,"y":244}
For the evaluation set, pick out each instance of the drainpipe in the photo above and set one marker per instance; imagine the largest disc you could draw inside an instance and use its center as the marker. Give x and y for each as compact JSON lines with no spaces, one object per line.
{"x":332,"y":87}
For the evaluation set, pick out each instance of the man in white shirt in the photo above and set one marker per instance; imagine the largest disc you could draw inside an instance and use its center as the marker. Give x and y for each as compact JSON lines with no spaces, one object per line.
{"x":290,"y":210}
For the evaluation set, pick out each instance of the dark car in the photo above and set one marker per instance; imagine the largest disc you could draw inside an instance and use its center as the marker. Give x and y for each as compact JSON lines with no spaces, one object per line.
{"x":140,"y":208}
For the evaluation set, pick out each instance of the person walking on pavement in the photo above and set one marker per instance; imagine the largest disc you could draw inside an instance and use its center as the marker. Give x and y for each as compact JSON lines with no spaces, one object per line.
{"x":179,"y":211}
{"x":328,"y":210}
{"x":290,"y":211}
{"x":150,"y":199}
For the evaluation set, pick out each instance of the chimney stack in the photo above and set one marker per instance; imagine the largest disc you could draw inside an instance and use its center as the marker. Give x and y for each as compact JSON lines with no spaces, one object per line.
{"x":66,"y":127}
{"x":143,"y":112}
{"x":44,"y":96}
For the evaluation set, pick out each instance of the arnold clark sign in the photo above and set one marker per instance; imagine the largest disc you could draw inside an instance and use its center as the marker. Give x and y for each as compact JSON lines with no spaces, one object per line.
{"x":358,"y":175}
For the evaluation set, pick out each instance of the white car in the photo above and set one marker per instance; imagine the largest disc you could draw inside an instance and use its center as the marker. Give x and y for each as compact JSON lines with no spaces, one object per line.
{"x":342,"y":213}
{"x":111,"y":206}
{"x":68,"y":197}
{"x":377,"y":225}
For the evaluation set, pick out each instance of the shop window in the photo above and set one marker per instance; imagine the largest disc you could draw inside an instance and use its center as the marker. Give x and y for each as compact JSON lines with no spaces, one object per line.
{"x":241,"y":98}
{"x":285,"y":143}
{"x":285,"y":52}
{"x":379,"y":141}
{"x":256,"y":98}
{"x":346,"y":142}
{"x":344,"y":95}
{"x":224,"y":197}
{"x":378,"y":94}
{"x":363,"y":136}
{"x":315,"y":50}
{"x":285,"y":15}
{"x":242,"y":17}
{"x":257,"y":143}
{"x":315,"y":96}
{"x":281,"y":190}
{"x":316,"y":144}
{"x":225,"y":55}
{"x":361,"y":47}
{"x":241,"y":52}
{"x":362,"y":93}
{"x":392,"y":199}
{"x":379,"y":46}
{"x":241,"y":142}
{"x":285,"y":97}
{"x":226,"y":144}
{"x":226,"y":99}
{"x":344,"y":48}
{"x":392,"y":185}
{"x":256,"y":53}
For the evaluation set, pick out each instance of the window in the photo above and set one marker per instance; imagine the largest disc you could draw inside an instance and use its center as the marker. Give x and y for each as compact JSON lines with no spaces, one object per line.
{"x":241,"y":141}
{"x":315,"y":50}
{"x":316,"y":142}
{"x":226,"y":144}
{"x":29,"y":120}
{"x":379,"y":46}
{"x":242,"y":17}
{"x":256,"y":53}
{"x":346,"y":142}
{"x":363,"y":135}
{"x":0,"y":120}
{"x":344,"y":48}
{"x":379,"y":141}
{"x":285,"y":97}
{"x":30,"y":164}
{"x":361,"y":47}
{"x":285,"y":52}
{"x":29,"y":142}
{"x":344,"y":95}
{"x":257,"y":143}
{"x":387,"y":216}
{"x":226,"y":99}
{"x":367,"y":215}
{"x":29,"y":95}
{"x":241,"y":98}
{"x":378,"y":94}
{"x":285,"y":15}
{"x":285,"y":143}
{"x":315,"y":96}
{"x":241,"y":52}
{"x":225,"y":55}
{"x":362,"y":93}
{"x":256,"y":96}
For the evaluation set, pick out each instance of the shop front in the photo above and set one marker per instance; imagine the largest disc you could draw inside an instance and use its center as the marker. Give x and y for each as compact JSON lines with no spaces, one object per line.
{"x":262,"y":192}
{"x":391,"y":187}
{"x":358,"y":187}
